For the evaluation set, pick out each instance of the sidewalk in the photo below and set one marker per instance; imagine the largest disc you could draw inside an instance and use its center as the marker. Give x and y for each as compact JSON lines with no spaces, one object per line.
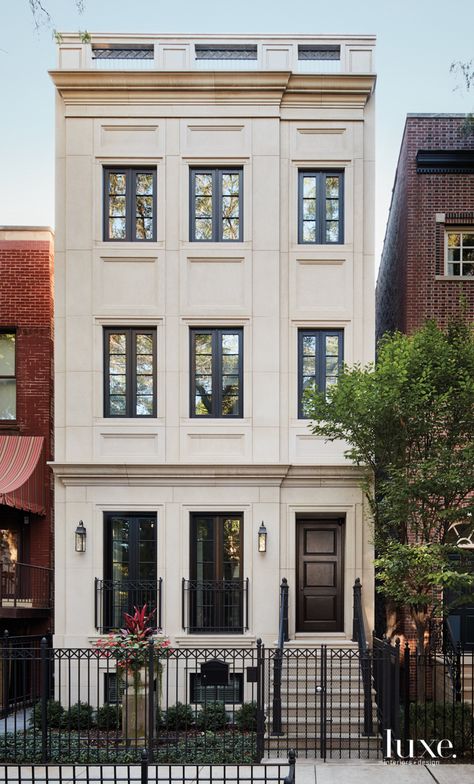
{"x":363,"y":772}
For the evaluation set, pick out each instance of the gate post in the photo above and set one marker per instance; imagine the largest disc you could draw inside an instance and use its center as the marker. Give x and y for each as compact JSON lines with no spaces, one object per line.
{"x":323,"y":702}
{"x":149,"y":742}
{"x":260,"y":699}
{"x":277,"y":670}
{"x":44,"y":698}
{"x":406,"y":698}
{"x":5,"y":673}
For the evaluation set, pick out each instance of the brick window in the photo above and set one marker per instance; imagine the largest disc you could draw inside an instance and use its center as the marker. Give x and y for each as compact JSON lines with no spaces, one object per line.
{"x":460,"y":252}
{"x":130,"y":372}
{"x":216,"y":372}
{"x":320,"y":356}
{"x":320,"y":207}
{"x":7,"y":375}
{"x":129,"y":204}
{"x":216,"y":205}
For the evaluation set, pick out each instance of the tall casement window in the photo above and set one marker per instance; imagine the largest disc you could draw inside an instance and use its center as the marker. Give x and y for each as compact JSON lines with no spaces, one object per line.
{"x":460,"y":252}
{"x":216,"y":372}
{"x":7,"y":375}
{"x":129,"y":565}
{"x":130,"y":372}
{"x":216,"y":205}
{"x":320,"y":207}
{"x":320,"y":356}
{"x":216,"y":586}
{"x":129,"y":204}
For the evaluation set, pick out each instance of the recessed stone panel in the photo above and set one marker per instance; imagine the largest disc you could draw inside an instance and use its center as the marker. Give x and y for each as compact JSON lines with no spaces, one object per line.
{"x":127,"y":283}
{"x":320,"y":285}
{"x":122,"y":138}
{"x":215,"y":282}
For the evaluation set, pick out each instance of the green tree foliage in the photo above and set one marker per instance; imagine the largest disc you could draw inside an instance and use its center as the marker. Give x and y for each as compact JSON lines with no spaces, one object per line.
{"x":410,"y":419}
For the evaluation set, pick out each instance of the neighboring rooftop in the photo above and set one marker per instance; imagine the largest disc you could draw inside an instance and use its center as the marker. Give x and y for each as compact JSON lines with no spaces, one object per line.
{"x":224,"y":52}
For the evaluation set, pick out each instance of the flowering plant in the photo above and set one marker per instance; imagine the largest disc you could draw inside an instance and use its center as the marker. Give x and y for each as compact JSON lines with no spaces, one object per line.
{"x":130,"y":646}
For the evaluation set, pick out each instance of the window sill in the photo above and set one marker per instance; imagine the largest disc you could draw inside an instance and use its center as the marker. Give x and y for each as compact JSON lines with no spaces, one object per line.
{"x":454,"y":277}
{"x":7,"y":425}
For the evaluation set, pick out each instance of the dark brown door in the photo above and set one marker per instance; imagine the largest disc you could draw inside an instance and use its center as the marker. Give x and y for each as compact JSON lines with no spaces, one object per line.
{"x":319,"y":576}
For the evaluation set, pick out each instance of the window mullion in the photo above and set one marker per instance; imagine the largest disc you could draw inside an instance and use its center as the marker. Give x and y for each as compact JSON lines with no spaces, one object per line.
{"x":321,"y":207}
{"x":131,"y":356}
{"x":216,"y":206}
{"x":130,"y":206}
{"x":217,"y":374}
{"x":322,"y":361}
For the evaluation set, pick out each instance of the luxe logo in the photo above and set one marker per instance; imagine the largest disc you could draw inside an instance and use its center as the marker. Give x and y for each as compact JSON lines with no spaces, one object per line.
{"x":430,"y":749}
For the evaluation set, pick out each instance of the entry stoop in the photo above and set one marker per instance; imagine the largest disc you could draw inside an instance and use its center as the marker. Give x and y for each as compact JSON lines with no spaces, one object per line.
{"x":322,"y":704}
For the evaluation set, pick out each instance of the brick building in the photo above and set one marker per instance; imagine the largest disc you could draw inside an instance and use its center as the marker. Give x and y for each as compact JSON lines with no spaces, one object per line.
{"x":26,"y":434}
{"x":427,"y":266}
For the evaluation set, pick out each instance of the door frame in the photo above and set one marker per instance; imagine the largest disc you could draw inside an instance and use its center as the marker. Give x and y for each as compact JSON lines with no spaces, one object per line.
{"x":321,"y":518}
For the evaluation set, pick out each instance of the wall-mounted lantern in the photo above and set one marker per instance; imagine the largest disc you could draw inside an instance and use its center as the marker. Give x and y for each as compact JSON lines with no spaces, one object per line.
{"x":80,"y":536}
{"x":262,"y":539}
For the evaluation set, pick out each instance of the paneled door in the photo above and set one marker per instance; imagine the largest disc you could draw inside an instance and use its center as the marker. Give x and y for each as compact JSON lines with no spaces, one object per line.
{"x":319,"y":569}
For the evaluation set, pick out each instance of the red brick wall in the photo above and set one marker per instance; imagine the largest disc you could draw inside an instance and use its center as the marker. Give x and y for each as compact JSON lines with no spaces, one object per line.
{"x":26,"y":305}
{"x":408,"y":291}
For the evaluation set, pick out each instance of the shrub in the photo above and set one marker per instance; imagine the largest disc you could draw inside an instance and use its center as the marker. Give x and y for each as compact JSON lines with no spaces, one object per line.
{"x":54,"y":715}
{"x":109,"y":717}
{"x":79,"y":716}
{"x":246,"y":717}
{"x":179,"y":717}
{"x":201,"y":749}
{"x":212,"y":717}
{"x":442,"y":720}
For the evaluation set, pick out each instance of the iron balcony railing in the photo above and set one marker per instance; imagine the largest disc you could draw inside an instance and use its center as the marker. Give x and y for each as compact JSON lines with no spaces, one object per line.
{"x":113,"y":598}
{"x":25,"y":587}
{"x":215,"y":606}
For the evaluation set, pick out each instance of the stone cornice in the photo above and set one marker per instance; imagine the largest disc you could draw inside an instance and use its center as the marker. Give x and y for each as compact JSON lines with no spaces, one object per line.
{"x":213,"y":87}
{"x":277,"y":475}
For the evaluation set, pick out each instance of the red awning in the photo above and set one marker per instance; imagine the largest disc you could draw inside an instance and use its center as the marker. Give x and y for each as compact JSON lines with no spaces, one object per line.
{"x":22,"y":473}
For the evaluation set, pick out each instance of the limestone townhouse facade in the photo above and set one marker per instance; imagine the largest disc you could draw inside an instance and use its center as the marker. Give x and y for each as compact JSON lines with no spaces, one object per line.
{"x":214,"y":257}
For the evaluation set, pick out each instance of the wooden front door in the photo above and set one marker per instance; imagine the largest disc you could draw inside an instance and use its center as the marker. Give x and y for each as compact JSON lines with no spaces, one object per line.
{"x":319,"y":576}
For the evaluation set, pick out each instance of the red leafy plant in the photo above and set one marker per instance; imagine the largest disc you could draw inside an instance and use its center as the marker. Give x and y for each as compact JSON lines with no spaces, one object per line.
{"x":130,"y":646}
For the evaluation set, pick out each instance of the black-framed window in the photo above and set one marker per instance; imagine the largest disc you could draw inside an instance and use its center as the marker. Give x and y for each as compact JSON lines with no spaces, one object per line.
{"x":130,"y":556}
{"x":232,"y":694}
{"x":320,"y":356}
{"x":460,"y":251}
{"x":129,"y":204}
{"x":129,"y":372}
{"x":7,"y":375}
{"x":216,"y":197}
{"x":216,"y":372}
{"x":216,"y":601}
{"x":320,"y":207}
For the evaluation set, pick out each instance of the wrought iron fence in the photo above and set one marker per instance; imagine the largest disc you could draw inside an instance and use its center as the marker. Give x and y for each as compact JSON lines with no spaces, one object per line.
{"x":207,"y":705}
{"x":186,"y":706}
{"x":144,"y":773}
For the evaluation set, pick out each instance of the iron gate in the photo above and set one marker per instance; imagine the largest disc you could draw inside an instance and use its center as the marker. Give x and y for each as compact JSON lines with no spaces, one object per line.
{"x":323,"y":705}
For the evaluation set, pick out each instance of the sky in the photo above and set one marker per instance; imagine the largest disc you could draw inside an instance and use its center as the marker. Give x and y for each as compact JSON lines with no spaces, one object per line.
{"x":417,"y":40}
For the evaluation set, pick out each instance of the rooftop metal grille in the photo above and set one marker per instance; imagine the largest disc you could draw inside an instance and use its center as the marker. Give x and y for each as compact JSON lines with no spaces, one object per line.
{"x":319,"y":52}
{"x":122,"y":53}
{"x":222,"y":52}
